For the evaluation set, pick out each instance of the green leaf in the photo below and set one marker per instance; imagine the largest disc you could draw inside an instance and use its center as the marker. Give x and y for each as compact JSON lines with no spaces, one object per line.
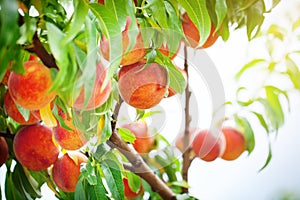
{"x":277,"y":31}
{"x":293,"y":72}
{"x":273,"y":99}
{"x":268,"y":158}
{"x":182,"y":183}
{"x":101,"y":150}
{"x":221,"y":11}
{"x":242,"y":103}
{"x":271,"y":115}
{"x":106,"y":132}
{"x":24,"y":112}
{"x":134,"y":181}
{"x":176,"y":78}
{"x":198,"y":13}
{"x":27,"y":30}
{"x":60,"y":119}
{"x":97,"y":191}
{"x":174,"y":31}
{"x":296,"y":24}
{"x":126,"y":135}
{"x":80,"y":192}
{"x":9,"y":33}
{"x":255,"y":18}
{"x":22,"y":184}
{"x":110,"y":28}
{"x":113,"y":176}
{"x":88,"y":76}
{"x":89,"y":174}
{"x":262,"y":121}
{"x":249,"y":65}
{"x":60,"y":53}
{"x":78,"y":18}
{"x":159,"y":12}
{"x":244,"y":124}
{"x":11,"y":192}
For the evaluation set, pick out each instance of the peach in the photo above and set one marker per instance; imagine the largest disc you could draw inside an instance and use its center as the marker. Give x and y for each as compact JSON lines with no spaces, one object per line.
{"x":3,"y":151}
{"x":193,"y":36}
{"x":34,"y":147}
{"x":31,"y":90}
{"x":68,"y":139}
{"x":142,"y":87}
{"x":66,"y":170}
{"x":143,"y":141}
{"x":13,"y":112}
{"x":99,"y":95}
{"x":235,"y":143}
{"x":137,"y":52}
{"x":129,"y":194}
{"x":101,"y":2}
{"x":5,"y":77}
{"x":206,"y":146}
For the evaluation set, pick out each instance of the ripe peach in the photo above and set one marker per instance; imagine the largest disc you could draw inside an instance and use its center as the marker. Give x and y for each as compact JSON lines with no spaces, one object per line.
{"x":142,"y":88}
{"x":66,"y":170}
{"x":34,"y":147}
{"x":31,"y":90}
{"x":68,"y":139}
{"x":137,"y":52}
{"x":235,"y":143}
{"x":3,"y":151}
{"x":206,"y":146}
{"x":192,"y":34}
{"x":143,"y":141}
{"x":5,"y":77}
{"x":129,"y":194}
{"x":12,"y":111}
{"x":98,"y":96}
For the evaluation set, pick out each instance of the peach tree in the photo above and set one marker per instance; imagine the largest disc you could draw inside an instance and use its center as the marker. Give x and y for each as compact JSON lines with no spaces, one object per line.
{"x":68,"y":68}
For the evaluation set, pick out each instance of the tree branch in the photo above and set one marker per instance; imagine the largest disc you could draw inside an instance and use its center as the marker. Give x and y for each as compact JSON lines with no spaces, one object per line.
{"x":186,"y":138}
{"x":38,"y":48}
{"x":137,"y":164}
{"x":7,"y":134}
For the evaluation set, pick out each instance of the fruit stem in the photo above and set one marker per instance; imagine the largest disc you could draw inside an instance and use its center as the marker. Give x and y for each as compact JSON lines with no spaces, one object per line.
{"x":137,"y":164}
{"x":186,"y":139}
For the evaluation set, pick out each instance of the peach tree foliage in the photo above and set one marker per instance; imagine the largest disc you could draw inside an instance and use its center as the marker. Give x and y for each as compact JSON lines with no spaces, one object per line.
{"x":72,"y":41}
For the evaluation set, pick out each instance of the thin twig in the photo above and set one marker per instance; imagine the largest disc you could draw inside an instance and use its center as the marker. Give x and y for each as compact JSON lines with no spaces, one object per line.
{"x":186,"y":138}
{"x":137,"y":164}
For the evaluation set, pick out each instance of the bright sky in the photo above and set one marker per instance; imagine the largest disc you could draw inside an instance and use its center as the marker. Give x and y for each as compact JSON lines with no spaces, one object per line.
{"x":240,"y":179}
